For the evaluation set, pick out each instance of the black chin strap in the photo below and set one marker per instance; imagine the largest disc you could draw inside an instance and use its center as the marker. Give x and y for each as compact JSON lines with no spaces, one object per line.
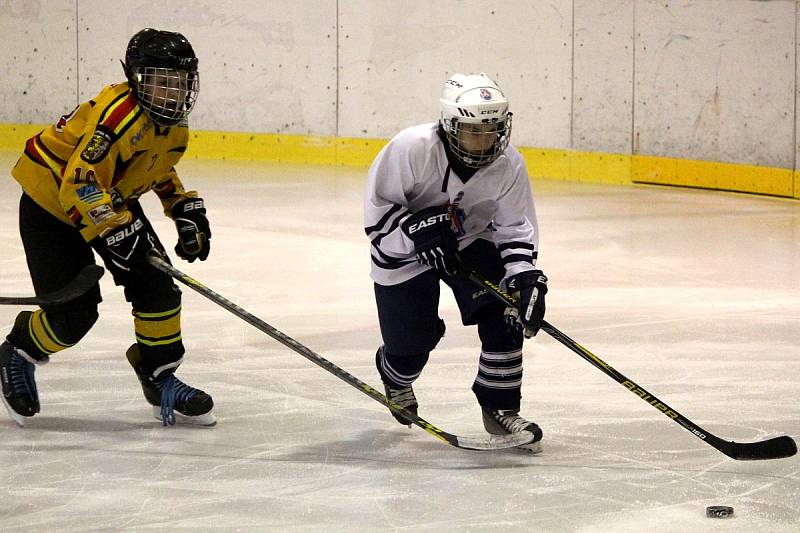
{"x":446,"y":178}
{"x":464,"y":172}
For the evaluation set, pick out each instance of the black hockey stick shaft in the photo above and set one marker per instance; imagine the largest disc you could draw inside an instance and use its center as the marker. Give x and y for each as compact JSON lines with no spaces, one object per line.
{"x":774,"y":448}
{"x":83,"y":281}
{"x":493,"y":442}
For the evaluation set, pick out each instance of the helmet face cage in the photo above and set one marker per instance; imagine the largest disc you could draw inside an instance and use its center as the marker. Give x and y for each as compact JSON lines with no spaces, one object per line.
{"x":161,"y":68}
{"x":165,"y":94}
{"x":477,"y":145}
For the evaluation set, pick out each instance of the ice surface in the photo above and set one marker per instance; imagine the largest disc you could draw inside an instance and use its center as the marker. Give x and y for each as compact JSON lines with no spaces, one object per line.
{"x":693,"y":294}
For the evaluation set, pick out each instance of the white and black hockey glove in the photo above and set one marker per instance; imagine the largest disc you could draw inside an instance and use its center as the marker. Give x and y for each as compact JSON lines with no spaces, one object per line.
{"x":529,"y":289}
{"x":125,"y":248}
{"x":434,"y":241}
{"x":194,"y":233}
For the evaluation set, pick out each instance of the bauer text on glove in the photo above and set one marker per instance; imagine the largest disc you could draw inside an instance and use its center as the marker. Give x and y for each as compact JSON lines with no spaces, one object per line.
{"x":194,"y":233}
{"x":125,"y":247}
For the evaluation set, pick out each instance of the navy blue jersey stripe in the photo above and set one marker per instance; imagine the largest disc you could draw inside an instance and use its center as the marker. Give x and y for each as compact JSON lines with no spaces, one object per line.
{"x":391,"y":266}
{"x":377,"y":240}
{"x":514,"y":245}
{"x":514,"y":258}
{"x":382,"y":222}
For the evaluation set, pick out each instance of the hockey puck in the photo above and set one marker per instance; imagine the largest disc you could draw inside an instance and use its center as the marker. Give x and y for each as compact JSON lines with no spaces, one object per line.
{"x":719,"y":511}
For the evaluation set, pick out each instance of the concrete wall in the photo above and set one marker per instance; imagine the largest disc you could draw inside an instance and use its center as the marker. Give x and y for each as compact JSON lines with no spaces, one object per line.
{"x":715,"y":80}
{"x":710,"y":80}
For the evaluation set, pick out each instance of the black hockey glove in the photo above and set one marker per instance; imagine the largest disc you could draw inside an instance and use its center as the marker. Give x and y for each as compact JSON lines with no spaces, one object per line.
{"x":125,"y":248}
{"x":194,"y":233}
{"x":434,"y":242}
{"x":529,"y":289}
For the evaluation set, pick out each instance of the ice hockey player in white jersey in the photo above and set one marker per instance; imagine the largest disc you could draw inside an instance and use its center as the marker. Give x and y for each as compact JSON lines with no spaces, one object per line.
{"x":446,"y":192}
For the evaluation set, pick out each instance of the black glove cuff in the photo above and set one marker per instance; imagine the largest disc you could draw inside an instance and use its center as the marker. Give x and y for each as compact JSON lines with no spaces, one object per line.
{"x":529,"y":278}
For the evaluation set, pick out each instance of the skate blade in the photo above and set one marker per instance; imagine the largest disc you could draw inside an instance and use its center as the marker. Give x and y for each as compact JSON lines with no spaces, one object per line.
{"x":206,"y":420}
{"x":533,"y":448}
{"x":15,"y":416}
{"x":530,"y":448}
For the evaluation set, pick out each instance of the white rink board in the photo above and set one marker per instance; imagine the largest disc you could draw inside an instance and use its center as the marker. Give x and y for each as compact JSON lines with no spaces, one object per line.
{"x":602,"y":116}
{"x":263,"y":67}
{"x":715,"y":79}
{"x":711,"y":80}
{"x":38,"y":61}
{"x":392,"y":73}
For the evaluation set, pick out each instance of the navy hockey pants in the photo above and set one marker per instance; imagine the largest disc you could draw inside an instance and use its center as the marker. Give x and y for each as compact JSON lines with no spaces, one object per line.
{"x":411,"y":329}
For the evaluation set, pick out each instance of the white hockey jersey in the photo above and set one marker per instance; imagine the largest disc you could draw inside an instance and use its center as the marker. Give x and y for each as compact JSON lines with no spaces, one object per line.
{"x":412,"y":172}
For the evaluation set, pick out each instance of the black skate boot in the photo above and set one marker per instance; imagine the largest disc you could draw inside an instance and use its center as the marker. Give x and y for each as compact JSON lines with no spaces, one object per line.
{"x":173,"y":400}
{"x":405,"y":398}
{"x":504,"y":422}
{"x":19,"y":386}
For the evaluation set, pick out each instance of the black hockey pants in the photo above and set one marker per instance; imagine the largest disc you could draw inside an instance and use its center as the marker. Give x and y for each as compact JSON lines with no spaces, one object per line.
{"x":55,"y":253}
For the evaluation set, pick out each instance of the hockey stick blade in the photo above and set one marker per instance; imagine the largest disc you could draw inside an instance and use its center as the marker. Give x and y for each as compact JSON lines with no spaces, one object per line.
{"x":774,"y":448}
{"x":492,"y":442}
{"x":85,"y":280}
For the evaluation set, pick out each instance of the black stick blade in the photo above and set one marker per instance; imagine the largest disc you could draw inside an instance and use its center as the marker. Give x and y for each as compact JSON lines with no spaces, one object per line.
{"x":84,"y":281}
{"x":775,"y":448}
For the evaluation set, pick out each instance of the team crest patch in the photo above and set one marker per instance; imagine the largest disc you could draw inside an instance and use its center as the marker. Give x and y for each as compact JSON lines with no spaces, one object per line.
{"x":97,"y":148}
{"x":457,"y":215}
{"x":485,"y":94}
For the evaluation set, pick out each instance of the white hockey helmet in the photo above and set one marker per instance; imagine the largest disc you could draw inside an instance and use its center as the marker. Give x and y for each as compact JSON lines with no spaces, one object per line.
{"x":475,"y":119}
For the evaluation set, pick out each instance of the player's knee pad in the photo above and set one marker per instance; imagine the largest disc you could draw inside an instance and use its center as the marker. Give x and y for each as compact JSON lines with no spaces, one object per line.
{"x":495,"y":333}
{"x":41,"y":333}
{"x":399,"y":370}
{"x":421,"y":341}
{"x":71,"y":326}
{"x":153,"y":292}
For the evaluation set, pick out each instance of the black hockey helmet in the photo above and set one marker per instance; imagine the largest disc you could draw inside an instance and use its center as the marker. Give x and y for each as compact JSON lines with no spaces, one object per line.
{"x":161,"y":68}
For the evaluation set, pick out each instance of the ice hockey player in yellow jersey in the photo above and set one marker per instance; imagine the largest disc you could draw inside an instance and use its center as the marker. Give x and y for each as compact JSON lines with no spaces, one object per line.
{"x":81,"y":180}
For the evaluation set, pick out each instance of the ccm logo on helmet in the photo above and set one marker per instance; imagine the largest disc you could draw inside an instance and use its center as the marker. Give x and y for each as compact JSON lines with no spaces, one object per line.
{"x":127,"y":231}
{"x":435,"y":219}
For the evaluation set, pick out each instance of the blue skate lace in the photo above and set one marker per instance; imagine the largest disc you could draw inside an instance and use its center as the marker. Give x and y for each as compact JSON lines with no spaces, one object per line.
{"x":173,"y":391}
{"x":21,"y":376}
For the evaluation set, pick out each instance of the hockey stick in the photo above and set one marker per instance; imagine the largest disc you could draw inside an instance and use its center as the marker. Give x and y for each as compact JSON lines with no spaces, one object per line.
{"x":774,"y":448}
{"x":492,"y":442}
{"x":85,"y":280}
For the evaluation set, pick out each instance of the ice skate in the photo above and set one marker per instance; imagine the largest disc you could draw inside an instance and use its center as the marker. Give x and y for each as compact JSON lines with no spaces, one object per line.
{"x":173,"y":400}
{"x":503,"y":422}
{"x":19,"y":385}
{"x":406,"y":399}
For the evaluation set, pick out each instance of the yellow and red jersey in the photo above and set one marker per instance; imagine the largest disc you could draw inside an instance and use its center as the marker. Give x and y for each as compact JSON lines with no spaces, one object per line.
{"x":85,"y":168}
